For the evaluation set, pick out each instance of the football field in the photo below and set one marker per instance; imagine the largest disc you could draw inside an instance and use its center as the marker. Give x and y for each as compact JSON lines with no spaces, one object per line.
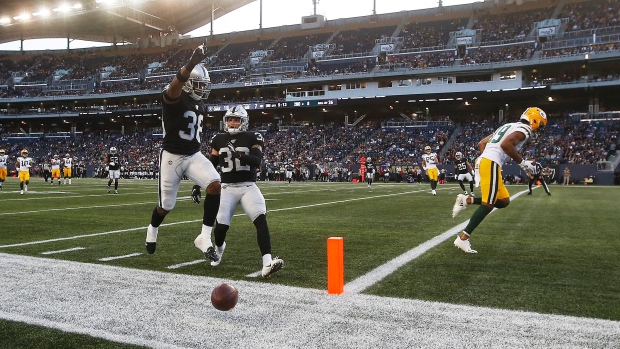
{"x":75,"y":273}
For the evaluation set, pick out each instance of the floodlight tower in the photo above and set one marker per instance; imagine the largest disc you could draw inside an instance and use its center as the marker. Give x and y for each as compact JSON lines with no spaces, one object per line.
{"x":314,"y":3}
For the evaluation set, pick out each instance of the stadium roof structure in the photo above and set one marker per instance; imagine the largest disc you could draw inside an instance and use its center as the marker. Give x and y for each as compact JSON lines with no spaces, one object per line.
{"x":111,"y":21}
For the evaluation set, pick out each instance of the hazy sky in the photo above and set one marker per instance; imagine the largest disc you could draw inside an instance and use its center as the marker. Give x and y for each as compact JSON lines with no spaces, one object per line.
{"x":247,"y":17}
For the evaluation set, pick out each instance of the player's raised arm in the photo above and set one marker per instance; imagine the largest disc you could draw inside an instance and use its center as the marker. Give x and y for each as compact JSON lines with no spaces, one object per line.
{"x":173,"y":92}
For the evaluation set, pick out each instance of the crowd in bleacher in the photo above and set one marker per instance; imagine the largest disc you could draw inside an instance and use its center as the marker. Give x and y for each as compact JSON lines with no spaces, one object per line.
{"x":54,"y":72}
{"x":561,"y":142}
{"x":591,"y":14}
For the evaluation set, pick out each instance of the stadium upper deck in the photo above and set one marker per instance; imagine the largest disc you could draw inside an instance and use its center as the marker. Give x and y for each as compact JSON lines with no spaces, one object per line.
{"x":454,"y":61}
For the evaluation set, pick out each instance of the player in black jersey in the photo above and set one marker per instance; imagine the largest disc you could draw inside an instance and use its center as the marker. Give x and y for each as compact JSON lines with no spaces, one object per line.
{"x":239,"y":153}
{"x":182,"y":115}
{"x":114,"y":169}
{"x":289,"y":167}
{"x":370,"y":172}
{"x":464,"y":172}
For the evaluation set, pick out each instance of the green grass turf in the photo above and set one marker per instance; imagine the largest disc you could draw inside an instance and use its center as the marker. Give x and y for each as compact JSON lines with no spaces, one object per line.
{"x":554,"y":254}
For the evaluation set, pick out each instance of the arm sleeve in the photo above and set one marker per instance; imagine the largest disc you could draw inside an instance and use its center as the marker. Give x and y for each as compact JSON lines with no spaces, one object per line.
{"x":254,"y":159}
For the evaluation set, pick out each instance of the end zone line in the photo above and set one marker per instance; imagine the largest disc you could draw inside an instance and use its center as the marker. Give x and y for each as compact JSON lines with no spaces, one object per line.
{"x":381,"y":272}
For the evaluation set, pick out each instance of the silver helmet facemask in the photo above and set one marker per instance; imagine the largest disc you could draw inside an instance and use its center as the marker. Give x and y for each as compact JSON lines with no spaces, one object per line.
{"x":237,"y":112}
{"x":199,"y":84}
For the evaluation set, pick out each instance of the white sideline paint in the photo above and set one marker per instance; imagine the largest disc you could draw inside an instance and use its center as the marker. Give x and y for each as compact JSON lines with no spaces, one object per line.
{"x":172,"y":311}
{"x":62,"y":251}
{"x":379,"y":273}
{"x":180,"y":265}
{"x":106,"y":259}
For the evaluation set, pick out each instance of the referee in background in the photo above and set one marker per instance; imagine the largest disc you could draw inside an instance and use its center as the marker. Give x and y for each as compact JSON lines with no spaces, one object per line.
{"x":536,"y":175}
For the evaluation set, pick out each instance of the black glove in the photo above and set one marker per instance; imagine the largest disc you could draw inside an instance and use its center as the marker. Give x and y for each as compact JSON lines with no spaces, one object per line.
{"x":196,"y":194}
{"x":199,"y":54}
{"x":235,"y":154}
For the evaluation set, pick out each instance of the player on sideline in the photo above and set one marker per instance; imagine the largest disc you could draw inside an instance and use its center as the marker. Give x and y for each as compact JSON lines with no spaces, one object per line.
{"x":239,"y":153}
{"x":464,"y":172}
{"x":182,"y":116}
{"x":496,"y":148}
{"x":3,"y":166}
{"x":23,"y":166}
{"x":429,"y":164}
{"x":114,"y":169}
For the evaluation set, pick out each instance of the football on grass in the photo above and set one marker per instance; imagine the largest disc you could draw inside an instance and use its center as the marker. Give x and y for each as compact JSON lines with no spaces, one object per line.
{"x":224,"y":297}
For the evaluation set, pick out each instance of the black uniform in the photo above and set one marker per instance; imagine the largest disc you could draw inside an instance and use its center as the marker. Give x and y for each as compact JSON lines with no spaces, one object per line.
{"x":113,"y":162}
{"x":370,"y":172}
{"x":462,"y":173}
{"x":182,"y":123}
{"x":461,"y":166}
{"x":237,"y":170}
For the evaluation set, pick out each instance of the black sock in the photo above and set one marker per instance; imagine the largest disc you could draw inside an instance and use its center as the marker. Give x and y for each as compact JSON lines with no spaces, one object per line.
{"x":212,"y":205}
{"x":219,"y":233}
{"x":262,"y":235}
{"x":156,"y":218}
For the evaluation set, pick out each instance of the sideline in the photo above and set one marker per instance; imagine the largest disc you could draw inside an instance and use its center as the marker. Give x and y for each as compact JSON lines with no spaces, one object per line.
{"x":171,"y":311}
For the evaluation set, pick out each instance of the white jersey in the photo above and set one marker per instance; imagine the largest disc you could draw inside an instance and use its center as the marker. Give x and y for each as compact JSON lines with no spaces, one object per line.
{"x":24,"y":163}
{"x":3,"y":159}
{"x":68,"y":162}
{"x":430,"y":160}
{"x":493,"y":150}
{"x":55,"y":164}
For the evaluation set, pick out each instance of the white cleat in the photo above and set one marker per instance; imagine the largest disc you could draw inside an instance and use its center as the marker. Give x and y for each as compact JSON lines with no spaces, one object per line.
{"x":276,"y":265}
{"x":219,"y":251}
{"x":433,"y":192}
{"x":21,"y":192}
{"x":464,"y":245}
{"x":459,"y":205}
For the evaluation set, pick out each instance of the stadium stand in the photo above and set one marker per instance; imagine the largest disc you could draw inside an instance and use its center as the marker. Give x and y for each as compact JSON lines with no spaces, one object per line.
{"x":415,"y":79}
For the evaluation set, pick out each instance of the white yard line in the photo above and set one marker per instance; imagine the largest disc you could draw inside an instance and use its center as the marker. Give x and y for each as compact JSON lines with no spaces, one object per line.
{"x":193,"y":221}
{"x":106,"y":259}
{"x":180,"y":265}
{"x":63,"y":251}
